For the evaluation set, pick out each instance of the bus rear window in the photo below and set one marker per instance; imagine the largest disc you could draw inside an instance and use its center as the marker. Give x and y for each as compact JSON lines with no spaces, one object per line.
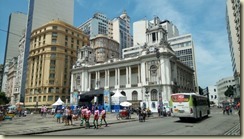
{"x":180,"y":98}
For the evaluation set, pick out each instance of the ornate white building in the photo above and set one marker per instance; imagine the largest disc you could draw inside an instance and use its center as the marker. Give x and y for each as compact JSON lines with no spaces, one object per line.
{"x":147,"y":79}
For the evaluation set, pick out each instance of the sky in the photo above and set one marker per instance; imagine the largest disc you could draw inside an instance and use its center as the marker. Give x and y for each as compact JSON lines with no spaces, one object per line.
{"x":204,"y":19}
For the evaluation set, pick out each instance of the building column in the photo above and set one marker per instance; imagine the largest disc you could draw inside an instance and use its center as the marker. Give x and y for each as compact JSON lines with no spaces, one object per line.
{"x":108,"y":77}
{"x":118,"y":77}
{"x":89,"y":80}
{"x":72,"y":83}
{"x":139,"y":74}
{"x":127,"y":75}
{"x":129,"y":79}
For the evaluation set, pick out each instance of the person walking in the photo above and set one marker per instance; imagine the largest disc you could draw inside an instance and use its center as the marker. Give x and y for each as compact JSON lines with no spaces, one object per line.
{"x":83,"y":115}
{"x":69,"y":117}
{"x":96,"y":117}
{"x":88,"y":115}
{"x":103,"y":117}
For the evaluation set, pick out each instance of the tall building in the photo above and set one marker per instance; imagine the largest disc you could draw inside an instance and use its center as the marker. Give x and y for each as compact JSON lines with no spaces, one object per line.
{"x":98,"y":24}
{"x":121,"y":31}
{"x":41,"y":12}
{"x":16,"y":27}
{"x":53,"y":52}
{"x":233,"y":20}
{"x":19,"y":69}
{"x":222,"y":86}
{"x":11,"y":77}
{"x":117,"y":29}
{"x":185,"y":50}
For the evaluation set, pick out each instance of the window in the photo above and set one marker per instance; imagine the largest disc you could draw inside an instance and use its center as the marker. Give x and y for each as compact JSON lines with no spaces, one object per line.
{"x":153,"y":37}
{"x":153,"y":70}
{"x":53,"y":48}
{"x":54,"y":40}
{"x":55,"y":27}
{"x":53,"y":55}
{"x":154,"y":95}
{"x":134,"y":95}
{"x":50,"y":98}
{"x":44,"y":98}
{"x":54,"y":34}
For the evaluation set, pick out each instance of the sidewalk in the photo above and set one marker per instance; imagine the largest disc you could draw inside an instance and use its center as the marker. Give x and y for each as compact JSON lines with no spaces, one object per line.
{"x":35,"y":124}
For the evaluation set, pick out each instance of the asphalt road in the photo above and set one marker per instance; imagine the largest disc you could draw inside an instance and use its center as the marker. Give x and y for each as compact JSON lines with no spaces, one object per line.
{"x":215,"y":124}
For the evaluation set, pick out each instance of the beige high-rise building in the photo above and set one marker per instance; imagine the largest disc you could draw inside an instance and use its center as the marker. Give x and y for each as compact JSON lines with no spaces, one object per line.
{"x":233,"y":20}
{"x":105,"y":48}
{"x":53,"y":51}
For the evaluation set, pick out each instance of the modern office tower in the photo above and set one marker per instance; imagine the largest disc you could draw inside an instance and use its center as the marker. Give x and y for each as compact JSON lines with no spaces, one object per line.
{"x":233,"y":21}
{"x":11,"y":76}
{"x":104,"y":48}
{"x":16,"y":27}
{"x":98,"y":24}
{"x":53,"y":52}
{"x":184,"y":50}
{"x":117,"y":29}
{"x":41,"y":12}
{"x":222,"y":86}
{"x":121,"y":31}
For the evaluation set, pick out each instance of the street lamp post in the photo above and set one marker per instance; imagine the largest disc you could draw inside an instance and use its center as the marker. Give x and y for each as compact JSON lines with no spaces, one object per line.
{"x":147,"y":96}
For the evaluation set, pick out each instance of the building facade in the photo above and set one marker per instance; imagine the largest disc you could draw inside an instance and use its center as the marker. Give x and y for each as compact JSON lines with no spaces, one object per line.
{"x":104,"y":48}
{"x":222,"y":86}
{"x":98,"y":24}
{"x":213,"y":95}
{"x":11,"y":80}
{"x":41,"y":12}
{"x":233,"y":20}
{"x":144,"y":79}
{"x":16,"y":27}
{"x":121,"y":31}
{"x":52,"y":54}
{"x":184,"y":48}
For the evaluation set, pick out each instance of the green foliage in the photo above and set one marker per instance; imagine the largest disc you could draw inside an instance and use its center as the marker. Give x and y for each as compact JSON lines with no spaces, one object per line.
{"x":229,"y":92}
{"x":3,"y":99}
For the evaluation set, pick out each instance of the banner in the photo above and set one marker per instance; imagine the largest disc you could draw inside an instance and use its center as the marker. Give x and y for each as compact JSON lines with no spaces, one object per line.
{"x":107,"y":100}
{"x":75,"y":98}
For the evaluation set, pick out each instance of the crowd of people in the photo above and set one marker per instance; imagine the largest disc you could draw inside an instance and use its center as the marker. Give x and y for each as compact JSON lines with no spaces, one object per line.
{"x":67,"y":116}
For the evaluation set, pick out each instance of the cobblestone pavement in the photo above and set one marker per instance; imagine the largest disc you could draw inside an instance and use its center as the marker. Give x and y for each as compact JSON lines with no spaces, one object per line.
{"x":34,"y":124}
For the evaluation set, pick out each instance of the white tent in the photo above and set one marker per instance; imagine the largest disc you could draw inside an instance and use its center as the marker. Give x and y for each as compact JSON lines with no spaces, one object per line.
{"x":58,"y":102}
{"x":117,"y":98}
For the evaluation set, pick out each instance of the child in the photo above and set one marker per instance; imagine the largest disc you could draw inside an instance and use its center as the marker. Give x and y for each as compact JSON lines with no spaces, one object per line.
{"x":58,"y":116}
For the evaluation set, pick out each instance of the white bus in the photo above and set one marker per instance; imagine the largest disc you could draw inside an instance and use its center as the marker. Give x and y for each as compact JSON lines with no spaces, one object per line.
{"x":189,"y":105}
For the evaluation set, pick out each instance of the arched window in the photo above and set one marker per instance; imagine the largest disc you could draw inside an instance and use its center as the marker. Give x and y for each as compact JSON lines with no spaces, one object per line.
{"x":123,"y":93}
{"x":154,"y":95}
{"x":153,"y":70}
{"x":134,"y":95}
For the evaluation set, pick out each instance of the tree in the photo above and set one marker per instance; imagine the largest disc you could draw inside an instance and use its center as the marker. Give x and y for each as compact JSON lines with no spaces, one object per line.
{"x":229,"y":92}
{"x":200,"y":90}
{"x":3,"y":99}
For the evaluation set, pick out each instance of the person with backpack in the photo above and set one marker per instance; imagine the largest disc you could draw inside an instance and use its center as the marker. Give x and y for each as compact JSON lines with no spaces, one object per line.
{"x":96,"y":117}
{"x":103,"y":117}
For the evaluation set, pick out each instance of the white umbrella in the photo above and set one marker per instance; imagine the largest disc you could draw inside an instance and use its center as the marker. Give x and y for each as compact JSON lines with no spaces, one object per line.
{"x":19,"y":103}
{"x":125,"y":104}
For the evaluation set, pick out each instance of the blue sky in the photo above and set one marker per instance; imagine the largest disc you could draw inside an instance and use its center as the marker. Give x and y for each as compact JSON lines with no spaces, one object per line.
{"x":204,"y":19}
